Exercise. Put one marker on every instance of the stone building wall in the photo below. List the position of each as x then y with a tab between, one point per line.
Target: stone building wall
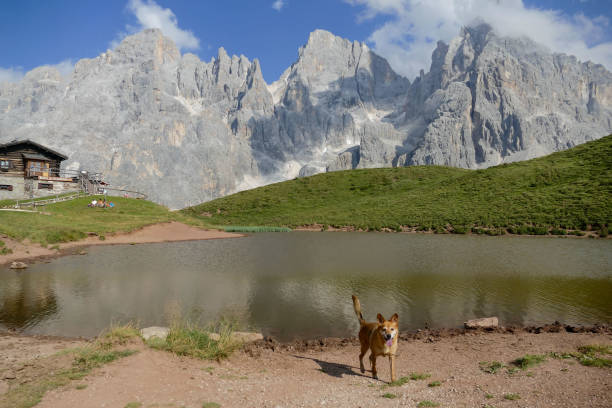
59	187
17	183
21	191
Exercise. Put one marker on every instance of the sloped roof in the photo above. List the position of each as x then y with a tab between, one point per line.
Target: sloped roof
29	142
35	157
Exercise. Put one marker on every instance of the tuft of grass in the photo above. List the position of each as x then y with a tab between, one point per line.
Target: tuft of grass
398	383
91	357
595	348
529	360
210	405
434	384
118	335
589	355
591	360
81	386
419	376
133	405
489	396
237	228
512	397
491	367
561	356
428	403
389	395
189	339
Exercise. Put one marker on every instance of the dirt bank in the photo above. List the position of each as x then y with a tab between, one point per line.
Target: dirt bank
164	232
325	373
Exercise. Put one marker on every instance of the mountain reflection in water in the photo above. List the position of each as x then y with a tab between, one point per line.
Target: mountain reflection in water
298	285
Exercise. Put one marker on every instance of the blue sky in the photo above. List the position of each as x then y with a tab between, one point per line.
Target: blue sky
36	32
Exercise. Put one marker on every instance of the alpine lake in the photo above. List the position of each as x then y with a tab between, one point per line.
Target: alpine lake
298	285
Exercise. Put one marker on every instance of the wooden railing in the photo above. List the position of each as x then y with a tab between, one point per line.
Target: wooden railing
56	199
89	184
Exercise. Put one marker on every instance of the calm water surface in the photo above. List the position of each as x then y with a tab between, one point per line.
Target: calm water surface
299	284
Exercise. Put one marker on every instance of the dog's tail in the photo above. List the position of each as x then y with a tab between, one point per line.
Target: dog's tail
357	307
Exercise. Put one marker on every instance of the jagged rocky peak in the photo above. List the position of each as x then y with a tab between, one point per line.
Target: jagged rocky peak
490	99
147	45
331	66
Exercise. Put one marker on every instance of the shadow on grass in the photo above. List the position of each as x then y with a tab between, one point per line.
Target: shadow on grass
335	369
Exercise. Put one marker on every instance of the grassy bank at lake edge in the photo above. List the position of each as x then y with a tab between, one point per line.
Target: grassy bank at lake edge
73	220
560	193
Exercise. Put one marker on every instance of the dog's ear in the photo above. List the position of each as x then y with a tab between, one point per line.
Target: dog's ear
380	318
394	318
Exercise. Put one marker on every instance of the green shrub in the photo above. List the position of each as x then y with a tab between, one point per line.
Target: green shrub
427	403
459	230
190	339
491	367
529	360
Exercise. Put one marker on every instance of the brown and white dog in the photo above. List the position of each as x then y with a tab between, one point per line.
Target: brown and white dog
380	337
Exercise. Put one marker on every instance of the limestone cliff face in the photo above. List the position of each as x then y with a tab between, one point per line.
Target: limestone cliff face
150	119
489	100
186	131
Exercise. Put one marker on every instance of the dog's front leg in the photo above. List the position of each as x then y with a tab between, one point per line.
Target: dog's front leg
373	361
364	349
392	364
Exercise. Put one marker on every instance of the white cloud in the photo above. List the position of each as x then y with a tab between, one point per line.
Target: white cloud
64	67
13	74
278	5
150	15
16	74
409	35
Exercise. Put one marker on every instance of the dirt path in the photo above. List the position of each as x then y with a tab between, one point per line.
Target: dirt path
329	376
164	232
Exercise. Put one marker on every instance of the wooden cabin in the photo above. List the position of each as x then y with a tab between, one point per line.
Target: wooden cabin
27	167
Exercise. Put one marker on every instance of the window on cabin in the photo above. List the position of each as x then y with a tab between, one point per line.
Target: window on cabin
6	187
5	165
47	186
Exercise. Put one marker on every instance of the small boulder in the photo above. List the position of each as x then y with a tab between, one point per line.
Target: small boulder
485	322
18	265
155	331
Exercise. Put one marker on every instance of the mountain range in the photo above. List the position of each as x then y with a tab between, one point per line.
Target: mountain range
185	131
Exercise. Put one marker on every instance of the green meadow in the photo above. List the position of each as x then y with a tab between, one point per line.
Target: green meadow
565	192
73	220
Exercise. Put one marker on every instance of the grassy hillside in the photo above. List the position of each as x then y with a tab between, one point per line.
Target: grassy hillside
565	190
73	220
